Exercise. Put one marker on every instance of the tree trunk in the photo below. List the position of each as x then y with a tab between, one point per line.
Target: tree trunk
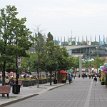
50	77
3	73
37	77
17	74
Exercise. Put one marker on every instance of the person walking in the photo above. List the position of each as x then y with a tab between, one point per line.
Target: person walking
69	78
95	79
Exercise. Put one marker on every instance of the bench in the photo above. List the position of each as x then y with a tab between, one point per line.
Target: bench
5	89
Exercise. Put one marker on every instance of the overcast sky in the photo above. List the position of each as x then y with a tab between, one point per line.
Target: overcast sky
80	18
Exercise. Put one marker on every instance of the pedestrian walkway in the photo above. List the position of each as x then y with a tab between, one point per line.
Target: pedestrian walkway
80	93
27	92
90	93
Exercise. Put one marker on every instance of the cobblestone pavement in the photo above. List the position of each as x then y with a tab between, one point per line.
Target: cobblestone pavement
80	93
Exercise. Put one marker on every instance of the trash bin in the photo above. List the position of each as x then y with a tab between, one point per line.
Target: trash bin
55	81
16	89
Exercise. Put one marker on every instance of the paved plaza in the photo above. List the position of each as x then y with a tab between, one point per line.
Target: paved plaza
80	93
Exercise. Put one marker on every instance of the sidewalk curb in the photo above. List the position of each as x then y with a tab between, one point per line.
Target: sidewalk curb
17	100
29	96
56	87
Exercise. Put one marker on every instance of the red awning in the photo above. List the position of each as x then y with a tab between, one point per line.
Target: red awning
62	72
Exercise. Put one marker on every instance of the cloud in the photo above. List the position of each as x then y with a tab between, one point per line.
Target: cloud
85	17
59	8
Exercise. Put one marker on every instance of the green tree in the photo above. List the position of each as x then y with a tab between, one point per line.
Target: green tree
38	45
74	62
50	59
98	62
50	37
28	63
62	58
14	38
56	58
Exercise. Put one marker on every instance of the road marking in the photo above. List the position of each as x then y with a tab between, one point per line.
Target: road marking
89	95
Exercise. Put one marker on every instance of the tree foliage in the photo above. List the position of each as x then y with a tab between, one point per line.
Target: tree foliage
14	37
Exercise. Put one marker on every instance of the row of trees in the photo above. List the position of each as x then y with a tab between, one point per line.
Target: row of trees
96	63
48	56
16	40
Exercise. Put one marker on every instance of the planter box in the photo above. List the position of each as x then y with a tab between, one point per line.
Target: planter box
42	81
27	83
63	81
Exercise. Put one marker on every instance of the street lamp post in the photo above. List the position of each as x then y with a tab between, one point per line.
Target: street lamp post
38	74
80	65
38	61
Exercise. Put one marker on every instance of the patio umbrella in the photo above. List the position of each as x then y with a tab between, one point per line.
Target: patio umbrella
62	72
104	69
105	65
